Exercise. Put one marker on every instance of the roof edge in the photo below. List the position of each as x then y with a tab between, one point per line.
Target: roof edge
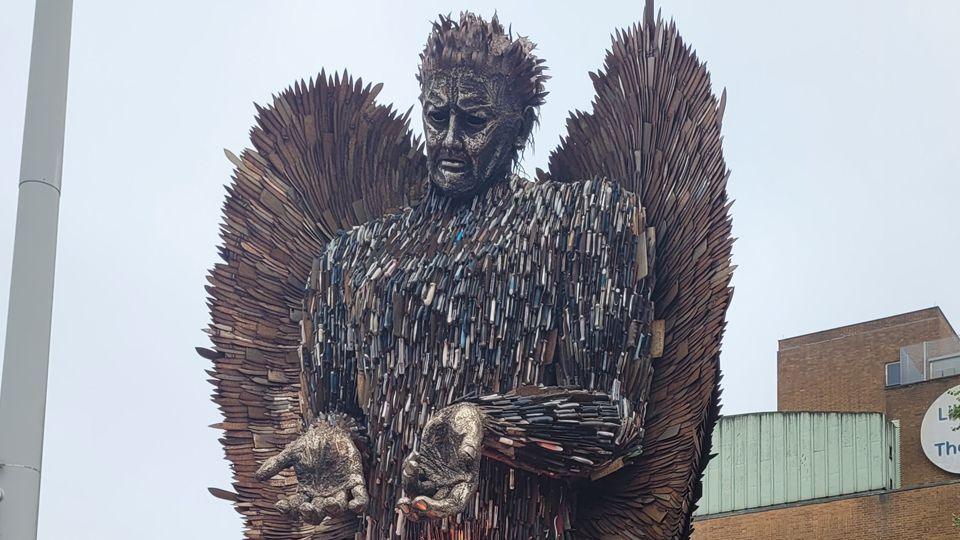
935	311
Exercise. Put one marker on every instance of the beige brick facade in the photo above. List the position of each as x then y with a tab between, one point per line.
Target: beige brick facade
843	369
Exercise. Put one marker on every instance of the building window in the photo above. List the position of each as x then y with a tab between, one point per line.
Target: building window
944	367
893	374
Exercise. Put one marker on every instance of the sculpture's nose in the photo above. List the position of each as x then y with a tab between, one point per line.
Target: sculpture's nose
453	138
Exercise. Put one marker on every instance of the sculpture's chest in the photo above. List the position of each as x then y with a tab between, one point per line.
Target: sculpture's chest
469	302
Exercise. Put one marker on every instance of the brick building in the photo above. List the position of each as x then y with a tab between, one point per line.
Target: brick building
875	482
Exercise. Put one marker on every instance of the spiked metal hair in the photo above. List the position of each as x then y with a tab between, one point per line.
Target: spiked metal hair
485	46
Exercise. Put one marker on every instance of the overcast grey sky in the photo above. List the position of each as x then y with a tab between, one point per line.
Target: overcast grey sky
841	131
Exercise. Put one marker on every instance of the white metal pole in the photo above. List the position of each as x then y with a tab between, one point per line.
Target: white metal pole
23	392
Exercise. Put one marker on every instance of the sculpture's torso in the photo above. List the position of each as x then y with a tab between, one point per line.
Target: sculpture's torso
412	311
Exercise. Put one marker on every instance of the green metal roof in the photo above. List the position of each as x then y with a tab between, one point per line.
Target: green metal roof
770	458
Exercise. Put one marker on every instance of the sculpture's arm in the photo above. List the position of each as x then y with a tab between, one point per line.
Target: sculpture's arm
550	431
592	423
560	432
326	457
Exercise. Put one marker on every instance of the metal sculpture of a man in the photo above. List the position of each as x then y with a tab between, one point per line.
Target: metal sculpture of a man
433	346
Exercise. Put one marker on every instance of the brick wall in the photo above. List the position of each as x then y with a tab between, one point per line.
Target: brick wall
908	404
920	512
842	369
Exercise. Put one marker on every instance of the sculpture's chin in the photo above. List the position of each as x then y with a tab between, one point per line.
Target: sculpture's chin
456	185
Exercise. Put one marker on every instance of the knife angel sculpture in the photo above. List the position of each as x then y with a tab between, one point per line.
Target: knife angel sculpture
412	341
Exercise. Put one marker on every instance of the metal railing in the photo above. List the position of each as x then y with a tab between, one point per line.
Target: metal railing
930	360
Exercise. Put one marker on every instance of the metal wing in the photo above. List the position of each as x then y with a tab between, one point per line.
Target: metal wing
655	128
326	157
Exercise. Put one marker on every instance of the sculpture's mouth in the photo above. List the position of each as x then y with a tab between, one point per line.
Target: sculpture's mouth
452	165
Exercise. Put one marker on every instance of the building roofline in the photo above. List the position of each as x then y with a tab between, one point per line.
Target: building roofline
950	326
936	309
824	500
759	413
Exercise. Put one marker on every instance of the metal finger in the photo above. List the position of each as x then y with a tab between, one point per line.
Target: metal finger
290	504
333	505
309	513
359	498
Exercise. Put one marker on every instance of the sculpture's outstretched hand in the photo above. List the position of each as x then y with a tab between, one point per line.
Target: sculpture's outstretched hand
329	472
439	480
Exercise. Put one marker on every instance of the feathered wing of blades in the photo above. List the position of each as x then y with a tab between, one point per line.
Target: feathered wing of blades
326	157
655	127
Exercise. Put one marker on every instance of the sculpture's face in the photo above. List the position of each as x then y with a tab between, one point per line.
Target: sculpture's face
473	127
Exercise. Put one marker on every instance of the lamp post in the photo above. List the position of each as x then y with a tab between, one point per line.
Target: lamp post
23	391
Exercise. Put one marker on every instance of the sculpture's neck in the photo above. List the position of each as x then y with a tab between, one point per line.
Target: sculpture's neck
437	205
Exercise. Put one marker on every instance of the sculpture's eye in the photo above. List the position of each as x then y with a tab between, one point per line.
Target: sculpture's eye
439	117
476	121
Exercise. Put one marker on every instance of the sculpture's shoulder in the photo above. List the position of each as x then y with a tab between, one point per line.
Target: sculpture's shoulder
366	236
597	193
594	205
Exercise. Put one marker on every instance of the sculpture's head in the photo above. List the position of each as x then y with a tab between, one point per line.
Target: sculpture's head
480	89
